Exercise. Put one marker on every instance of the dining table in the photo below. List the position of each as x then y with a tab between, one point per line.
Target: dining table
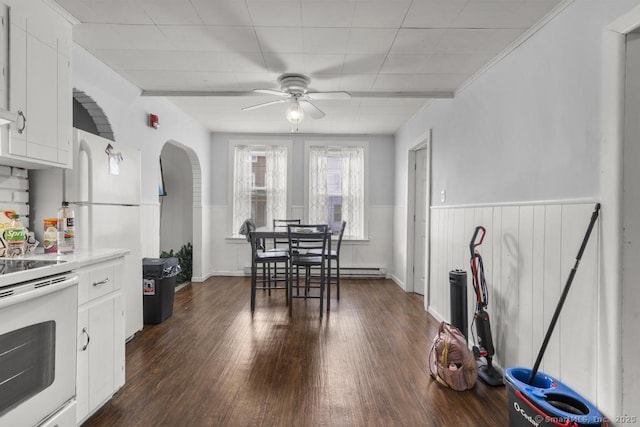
265	238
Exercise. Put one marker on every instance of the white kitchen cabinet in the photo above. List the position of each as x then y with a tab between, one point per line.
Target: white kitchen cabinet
100	339
40	91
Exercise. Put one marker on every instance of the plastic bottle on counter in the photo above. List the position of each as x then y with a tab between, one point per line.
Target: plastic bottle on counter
15	236
66	228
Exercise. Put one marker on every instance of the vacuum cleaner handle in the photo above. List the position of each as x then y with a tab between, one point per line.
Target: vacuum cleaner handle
473	244
565	291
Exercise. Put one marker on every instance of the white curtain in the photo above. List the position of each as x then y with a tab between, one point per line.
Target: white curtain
276	183
318	185
353	191
242	184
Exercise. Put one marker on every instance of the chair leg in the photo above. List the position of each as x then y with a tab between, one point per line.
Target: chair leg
338	279
322	280
253	286
329	284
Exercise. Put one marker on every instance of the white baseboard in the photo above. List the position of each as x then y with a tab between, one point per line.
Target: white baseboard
398	282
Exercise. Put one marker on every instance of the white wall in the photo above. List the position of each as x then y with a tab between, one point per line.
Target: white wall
232	256
631	226
528	130
176	208
128	113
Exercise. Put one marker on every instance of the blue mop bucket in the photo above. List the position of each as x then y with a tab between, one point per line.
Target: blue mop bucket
546	402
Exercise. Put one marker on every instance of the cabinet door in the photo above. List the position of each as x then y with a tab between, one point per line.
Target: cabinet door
118	338
18	83
101	352
42	100
65	107
82	374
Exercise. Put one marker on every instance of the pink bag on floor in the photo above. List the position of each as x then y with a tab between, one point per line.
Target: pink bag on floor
451	362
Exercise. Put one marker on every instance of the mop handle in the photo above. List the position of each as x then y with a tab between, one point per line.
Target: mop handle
556	314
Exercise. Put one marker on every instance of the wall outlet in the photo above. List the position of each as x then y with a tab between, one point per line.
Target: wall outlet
443	196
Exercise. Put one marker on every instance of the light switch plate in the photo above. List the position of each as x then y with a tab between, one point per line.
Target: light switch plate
443	196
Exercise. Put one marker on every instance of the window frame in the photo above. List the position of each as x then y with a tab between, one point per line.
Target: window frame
258	144
337	144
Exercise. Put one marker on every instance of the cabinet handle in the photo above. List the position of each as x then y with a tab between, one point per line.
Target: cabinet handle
84	331
102	282
24	122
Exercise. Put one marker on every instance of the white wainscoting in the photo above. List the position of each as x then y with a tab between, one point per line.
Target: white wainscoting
528	253
232	256
150	229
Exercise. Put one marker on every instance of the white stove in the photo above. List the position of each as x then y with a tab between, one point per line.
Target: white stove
38	317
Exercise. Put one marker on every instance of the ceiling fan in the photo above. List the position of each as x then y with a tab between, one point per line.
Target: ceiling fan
294	90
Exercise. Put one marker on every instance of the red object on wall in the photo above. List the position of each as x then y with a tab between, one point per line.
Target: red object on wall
154	122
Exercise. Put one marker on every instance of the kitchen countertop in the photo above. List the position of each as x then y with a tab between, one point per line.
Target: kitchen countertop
63	263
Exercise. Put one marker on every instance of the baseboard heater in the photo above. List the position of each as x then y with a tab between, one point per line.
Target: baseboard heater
348	272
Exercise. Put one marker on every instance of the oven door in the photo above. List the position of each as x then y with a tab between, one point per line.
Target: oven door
37	348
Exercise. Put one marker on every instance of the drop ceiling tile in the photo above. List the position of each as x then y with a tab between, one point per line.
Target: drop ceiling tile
477	40
433	13
380	14
223	12
111	12
214	39
416	41
251	81
363	64
392	82
283	13
531	12
171	12
370	40
357	82
117	36
323	63
280	39
454	63
181	80
487	14
324	82
159	60
285	63
404	64
325	40
437	82
327	13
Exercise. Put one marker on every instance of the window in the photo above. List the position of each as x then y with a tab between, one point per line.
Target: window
259	184
336	187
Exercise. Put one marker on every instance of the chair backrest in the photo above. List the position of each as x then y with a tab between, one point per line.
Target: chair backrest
305	237
344	225
281	225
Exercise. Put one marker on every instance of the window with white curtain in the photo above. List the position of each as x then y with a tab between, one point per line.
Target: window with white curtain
260	184
336	190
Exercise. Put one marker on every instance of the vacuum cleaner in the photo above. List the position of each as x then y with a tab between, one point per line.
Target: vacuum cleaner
483	349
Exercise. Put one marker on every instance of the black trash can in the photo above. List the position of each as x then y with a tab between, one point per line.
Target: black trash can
158	288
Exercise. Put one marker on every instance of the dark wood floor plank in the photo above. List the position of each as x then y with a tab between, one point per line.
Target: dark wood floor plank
213	363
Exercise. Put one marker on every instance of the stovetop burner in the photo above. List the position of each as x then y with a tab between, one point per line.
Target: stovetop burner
9	265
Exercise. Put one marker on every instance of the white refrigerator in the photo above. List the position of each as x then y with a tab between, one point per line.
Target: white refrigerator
103	188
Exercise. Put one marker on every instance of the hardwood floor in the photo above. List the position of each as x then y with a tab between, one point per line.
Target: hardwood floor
214	364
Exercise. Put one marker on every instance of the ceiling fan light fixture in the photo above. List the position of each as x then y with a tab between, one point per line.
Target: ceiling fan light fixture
295	114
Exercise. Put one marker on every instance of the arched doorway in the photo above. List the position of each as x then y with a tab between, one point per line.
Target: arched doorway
180	207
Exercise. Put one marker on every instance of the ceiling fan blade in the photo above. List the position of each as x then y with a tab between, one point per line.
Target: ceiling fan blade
328	95
310	109
271	92
264	104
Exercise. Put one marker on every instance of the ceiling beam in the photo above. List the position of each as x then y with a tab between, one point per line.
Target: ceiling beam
380	94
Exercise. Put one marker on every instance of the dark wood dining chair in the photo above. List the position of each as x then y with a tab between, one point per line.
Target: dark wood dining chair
261	257
304	238
279	243
334	255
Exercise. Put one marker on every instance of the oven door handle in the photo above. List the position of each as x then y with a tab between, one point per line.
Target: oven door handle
29	291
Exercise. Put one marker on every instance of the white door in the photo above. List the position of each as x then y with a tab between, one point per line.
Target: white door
420	221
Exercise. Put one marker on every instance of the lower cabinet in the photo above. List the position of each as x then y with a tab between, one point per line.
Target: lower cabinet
100	339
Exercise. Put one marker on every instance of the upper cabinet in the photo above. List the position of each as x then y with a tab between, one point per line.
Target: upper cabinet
39	86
